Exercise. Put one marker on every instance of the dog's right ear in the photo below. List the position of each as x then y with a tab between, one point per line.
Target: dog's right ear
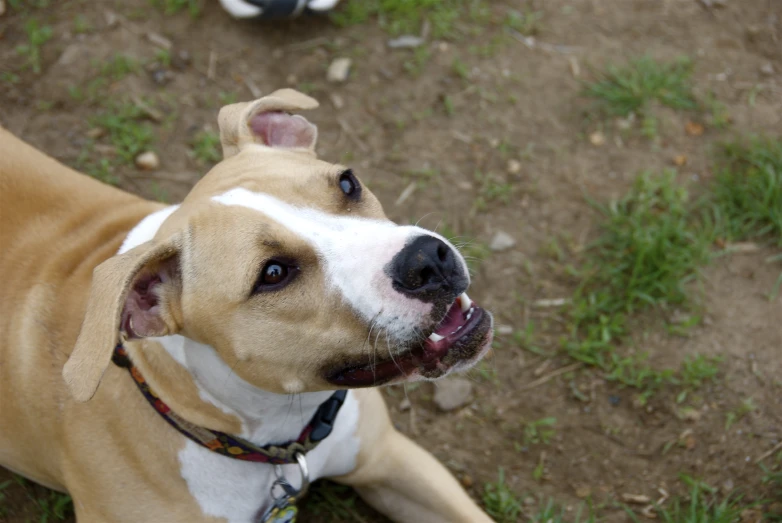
268	121
133	295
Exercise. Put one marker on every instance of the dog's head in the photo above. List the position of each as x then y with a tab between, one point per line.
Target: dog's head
289	268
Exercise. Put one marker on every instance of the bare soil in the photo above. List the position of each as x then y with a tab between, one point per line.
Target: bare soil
516	103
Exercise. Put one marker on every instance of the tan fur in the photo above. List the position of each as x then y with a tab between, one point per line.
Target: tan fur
59	233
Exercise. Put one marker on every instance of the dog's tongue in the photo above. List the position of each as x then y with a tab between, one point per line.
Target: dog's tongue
442	338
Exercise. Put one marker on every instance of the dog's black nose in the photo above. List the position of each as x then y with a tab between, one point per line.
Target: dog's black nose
427	269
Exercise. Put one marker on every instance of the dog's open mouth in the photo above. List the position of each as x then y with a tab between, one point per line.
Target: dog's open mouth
462	336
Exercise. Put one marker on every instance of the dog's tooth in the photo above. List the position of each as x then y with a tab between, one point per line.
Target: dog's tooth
436	337
465	302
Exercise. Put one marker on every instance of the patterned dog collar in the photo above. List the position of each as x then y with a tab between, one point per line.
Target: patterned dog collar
314	432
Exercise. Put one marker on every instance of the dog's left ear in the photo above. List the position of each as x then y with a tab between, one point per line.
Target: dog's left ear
269	121
133	295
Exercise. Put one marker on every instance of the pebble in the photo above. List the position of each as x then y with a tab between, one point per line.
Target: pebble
767	69
161	76
597	139
337	100
452	393
339	70
504	330
502	241
614	400
404	405
406	41
147	161
514	166
2	7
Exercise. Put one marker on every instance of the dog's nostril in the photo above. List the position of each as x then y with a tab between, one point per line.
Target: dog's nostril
427	275
442	252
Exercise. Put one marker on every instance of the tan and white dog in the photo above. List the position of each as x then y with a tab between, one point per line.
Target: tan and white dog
277	281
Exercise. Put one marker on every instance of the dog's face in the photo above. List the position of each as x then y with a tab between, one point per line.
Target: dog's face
289	268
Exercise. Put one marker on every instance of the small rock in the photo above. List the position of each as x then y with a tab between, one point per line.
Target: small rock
111	19
337	100
2	7
404	405
147	161
638	499
504	330
292	79
679	160
597	139
514	166
728	485
688	414
452	393
767	69
161	76
465	186
502	241
339	70
614	400
406	41
442	47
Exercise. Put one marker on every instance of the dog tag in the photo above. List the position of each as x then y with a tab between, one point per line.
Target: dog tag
283	510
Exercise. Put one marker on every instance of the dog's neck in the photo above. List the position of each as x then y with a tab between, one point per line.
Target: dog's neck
266	417
263	417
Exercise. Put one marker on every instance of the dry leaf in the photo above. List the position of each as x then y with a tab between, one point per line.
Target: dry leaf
679	160
693	128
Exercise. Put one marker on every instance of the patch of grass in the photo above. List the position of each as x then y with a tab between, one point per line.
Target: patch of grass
127	131
418	60
649	248
500	502
81	24
701	506
172	7
552	513
539	431
9	77
526	23
631	88
3	486
37	36
54	507
333	501
407	16
745	407
118	67
460	69
206	147
747	201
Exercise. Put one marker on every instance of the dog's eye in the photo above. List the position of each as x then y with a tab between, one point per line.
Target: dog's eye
274	275
349	185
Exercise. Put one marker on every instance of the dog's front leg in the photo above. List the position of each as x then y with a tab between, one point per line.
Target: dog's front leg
401	479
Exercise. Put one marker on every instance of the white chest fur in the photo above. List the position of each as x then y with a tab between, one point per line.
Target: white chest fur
236	490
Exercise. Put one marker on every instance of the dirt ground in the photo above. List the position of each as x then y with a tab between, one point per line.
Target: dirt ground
434	119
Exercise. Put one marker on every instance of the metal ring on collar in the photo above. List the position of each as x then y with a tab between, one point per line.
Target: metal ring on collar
303	470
